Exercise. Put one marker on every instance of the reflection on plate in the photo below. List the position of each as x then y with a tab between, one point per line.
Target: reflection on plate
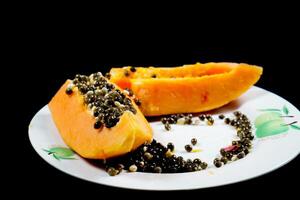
276	124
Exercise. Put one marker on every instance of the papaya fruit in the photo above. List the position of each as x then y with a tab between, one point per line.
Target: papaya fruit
186	89
74	107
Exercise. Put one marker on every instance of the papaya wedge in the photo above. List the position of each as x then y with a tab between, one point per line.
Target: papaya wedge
186	89
77	125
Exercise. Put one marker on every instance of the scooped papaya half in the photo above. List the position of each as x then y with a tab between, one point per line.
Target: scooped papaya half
97	119
186	89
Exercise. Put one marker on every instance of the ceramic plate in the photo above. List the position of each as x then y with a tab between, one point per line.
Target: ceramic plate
276	124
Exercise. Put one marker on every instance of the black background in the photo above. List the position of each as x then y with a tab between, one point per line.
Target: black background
46	57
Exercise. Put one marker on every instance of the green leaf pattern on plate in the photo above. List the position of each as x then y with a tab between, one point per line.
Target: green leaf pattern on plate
271	122
273	127
295	127
61	153
285	110
270	109
266	117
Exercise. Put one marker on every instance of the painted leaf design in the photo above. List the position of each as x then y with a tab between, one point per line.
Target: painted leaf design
285	110
67	158
62	151
55	156
270	110
46	150
266	117
295	127
270	128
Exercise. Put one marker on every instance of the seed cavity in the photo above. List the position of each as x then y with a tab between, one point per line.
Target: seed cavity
106	103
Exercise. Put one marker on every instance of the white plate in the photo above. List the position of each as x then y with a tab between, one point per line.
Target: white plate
268	153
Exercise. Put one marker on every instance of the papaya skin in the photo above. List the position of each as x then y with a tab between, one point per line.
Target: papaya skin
75	124
187	89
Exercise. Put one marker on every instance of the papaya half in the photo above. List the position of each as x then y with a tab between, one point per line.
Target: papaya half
186	89
96	119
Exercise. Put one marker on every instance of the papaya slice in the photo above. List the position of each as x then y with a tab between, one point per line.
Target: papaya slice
91	137
186	89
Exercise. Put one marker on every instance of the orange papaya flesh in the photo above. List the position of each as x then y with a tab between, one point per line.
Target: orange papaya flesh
75	121
186	89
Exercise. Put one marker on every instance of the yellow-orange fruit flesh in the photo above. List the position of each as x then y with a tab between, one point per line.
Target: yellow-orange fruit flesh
75	123
187	89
